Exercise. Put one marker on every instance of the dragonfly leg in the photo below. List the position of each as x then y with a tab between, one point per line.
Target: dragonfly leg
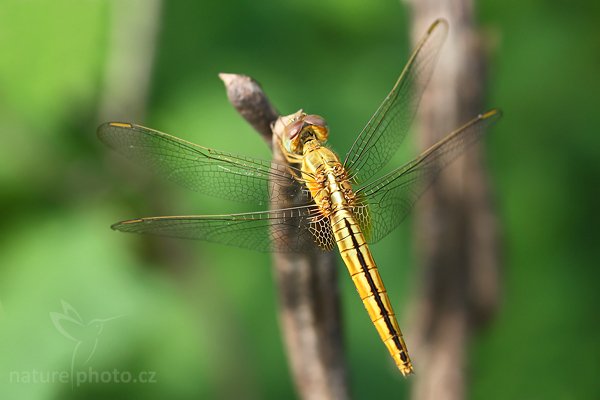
291	158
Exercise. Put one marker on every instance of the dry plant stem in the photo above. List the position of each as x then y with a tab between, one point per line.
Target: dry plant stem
248	98
457	229
134	26
130	59
309	306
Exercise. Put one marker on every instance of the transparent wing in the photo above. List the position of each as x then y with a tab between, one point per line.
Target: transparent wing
387	128
286	230
202	169
386	202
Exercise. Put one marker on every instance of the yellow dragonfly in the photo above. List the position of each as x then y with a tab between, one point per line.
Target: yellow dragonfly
344	206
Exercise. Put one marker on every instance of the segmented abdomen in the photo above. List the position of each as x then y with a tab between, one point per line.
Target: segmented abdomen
364	273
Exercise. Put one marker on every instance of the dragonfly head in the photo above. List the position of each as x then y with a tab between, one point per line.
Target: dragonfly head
298	128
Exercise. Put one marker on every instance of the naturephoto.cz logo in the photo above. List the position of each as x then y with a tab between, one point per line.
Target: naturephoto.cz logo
86	336
80	377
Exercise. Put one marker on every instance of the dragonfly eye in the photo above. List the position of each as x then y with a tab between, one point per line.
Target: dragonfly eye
314	119
293	129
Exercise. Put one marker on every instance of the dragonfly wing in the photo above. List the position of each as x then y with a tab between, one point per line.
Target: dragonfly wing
284	230
387	128
202	169
386	202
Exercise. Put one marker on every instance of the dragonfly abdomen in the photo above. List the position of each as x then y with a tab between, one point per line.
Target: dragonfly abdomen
366	278
332	192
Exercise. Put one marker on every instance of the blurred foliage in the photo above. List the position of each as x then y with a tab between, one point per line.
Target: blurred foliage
202	316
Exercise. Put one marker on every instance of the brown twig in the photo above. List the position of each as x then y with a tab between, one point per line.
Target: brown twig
248	98
130	60
457	229
309	307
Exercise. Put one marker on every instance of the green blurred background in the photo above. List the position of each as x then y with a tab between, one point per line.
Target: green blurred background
202	317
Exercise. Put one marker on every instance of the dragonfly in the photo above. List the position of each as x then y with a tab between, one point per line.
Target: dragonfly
337	204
